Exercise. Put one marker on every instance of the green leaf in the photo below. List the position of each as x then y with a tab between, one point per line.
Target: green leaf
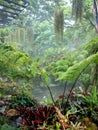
74	71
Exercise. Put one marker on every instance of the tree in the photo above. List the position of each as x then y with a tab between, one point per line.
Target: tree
80	6
59	24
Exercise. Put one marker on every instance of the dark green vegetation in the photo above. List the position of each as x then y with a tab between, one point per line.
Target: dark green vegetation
48	44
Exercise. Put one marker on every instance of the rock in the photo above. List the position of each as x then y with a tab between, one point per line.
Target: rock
18	121
2	109
12	113
2	103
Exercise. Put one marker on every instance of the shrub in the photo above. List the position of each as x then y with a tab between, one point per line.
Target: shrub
22	100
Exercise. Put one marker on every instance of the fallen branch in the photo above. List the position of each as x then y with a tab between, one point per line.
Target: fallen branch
62	119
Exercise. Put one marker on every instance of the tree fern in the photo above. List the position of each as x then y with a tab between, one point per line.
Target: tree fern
73	72
92	46
34	68
13	63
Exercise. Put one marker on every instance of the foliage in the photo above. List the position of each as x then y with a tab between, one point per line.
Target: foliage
8	88
62	63
47	101
78	65
85	79
7	127
88	124
34	67
13	63
75	126
3	33
86	104
57	61
92	46
45	76
73	72
40	20
92	99
54	54
77	8
6	124
23	100
3	120
83	9
44	38
32	119
46	79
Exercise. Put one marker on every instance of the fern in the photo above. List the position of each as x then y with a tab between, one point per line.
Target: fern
92	46
45	76
73	72
13	63
34	68
7	127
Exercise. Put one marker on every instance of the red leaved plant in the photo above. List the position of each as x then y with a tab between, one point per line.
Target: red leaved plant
34	117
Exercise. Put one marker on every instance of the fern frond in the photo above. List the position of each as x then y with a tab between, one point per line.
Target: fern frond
92	46
73	72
